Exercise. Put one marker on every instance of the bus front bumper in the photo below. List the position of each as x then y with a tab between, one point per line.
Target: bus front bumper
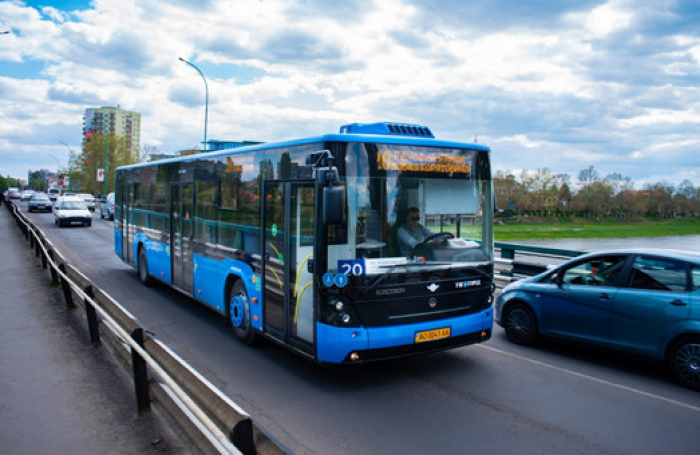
361	344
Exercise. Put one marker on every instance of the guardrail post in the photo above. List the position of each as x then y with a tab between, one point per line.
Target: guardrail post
66	288
507	253
39	251
242	437
143	399
54	275
93	322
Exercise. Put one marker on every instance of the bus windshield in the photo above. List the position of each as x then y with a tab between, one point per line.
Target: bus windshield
405	218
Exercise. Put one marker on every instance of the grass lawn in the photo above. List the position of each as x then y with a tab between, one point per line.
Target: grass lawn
562	228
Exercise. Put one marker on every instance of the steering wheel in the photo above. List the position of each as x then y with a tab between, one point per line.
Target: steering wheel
592	281
435	238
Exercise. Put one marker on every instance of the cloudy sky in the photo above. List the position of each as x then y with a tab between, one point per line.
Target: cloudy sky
545	83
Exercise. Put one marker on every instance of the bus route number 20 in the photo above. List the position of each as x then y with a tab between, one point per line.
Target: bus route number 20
352	267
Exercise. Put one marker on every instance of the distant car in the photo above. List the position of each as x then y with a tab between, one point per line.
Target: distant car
27	194
89	200
107	207
70	210
14	193
53	193
642	301
40	202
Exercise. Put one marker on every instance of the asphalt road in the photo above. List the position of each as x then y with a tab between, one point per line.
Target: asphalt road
492	398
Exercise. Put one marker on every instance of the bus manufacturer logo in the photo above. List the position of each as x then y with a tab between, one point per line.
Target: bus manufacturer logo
393	291
467	284
433	287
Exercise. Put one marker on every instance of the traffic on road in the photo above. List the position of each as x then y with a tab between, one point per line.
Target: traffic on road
557	396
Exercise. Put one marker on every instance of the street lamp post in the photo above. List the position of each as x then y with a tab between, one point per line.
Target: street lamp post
58	169
106	164
70	166
206	102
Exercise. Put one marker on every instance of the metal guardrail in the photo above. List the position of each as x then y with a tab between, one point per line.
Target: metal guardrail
534	260
213	422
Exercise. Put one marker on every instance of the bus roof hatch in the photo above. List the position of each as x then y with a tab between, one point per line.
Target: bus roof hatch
387	129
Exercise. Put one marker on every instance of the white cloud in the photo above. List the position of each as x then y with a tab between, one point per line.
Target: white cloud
562	86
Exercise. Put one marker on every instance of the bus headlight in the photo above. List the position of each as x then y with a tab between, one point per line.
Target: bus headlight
339	313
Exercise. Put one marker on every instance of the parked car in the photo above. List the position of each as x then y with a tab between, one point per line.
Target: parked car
107	207
69	210
642	301
54	193
39	201
89	200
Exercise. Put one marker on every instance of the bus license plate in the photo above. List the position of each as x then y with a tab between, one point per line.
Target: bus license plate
432	335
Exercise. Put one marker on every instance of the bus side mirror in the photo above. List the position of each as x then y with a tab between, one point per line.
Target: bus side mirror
333	205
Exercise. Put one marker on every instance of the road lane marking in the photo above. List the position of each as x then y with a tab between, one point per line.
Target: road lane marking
594	379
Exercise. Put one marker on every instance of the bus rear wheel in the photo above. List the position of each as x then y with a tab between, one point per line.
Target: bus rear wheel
239	313
143	268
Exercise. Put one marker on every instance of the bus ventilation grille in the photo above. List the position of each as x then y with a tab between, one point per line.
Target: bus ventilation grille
387	129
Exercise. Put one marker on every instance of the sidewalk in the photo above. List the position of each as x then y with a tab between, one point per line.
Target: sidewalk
58	394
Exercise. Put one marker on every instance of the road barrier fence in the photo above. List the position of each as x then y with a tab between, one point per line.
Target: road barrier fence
212	421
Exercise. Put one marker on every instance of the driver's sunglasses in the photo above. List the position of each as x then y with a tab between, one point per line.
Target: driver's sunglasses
415	218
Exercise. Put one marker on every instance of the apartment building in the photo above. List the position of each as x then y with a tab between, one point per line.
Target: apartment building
113	120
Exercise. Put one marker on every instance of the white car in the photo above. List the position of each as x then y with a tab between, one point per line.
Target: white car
53	193
69	210
89	200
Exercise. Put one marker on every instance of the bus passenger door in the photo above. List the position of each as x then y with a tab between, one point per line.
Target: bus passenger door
288	240
126	222
181	213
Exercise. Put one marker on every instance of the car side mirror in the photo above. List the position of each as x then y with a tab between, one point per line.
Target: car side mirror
558	279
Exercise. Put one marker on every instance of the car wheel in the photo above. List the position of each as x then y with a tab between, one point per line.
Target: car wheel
520	324
143	268
238	312
684	361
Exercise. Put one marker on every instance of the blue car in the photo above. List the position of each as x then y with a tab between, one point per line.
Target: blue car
645	302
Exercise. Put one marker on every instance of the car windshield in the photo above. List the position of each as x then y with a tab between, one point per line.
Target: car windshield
40	197
72	205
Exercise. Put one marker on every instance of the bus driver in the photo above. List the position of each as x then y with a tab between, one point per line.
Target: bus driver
412	233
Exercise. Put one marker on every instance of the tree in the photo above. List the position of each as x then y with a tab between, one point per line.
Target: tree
507	189
96	150
659	199
595	198
588	175
36	181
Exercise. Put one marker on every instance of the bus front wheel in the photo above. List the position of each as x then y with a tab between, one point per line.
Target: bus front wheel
239	313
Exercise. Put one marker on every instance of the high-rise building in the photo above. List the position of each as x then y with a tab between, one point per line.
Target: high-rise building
113	120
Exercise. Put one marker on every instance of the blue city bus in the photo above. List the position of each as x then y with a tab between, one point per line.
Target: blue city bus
298	241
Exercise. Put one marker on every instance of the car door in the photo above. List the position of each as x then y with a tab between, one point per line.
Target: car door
578	304
655	299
